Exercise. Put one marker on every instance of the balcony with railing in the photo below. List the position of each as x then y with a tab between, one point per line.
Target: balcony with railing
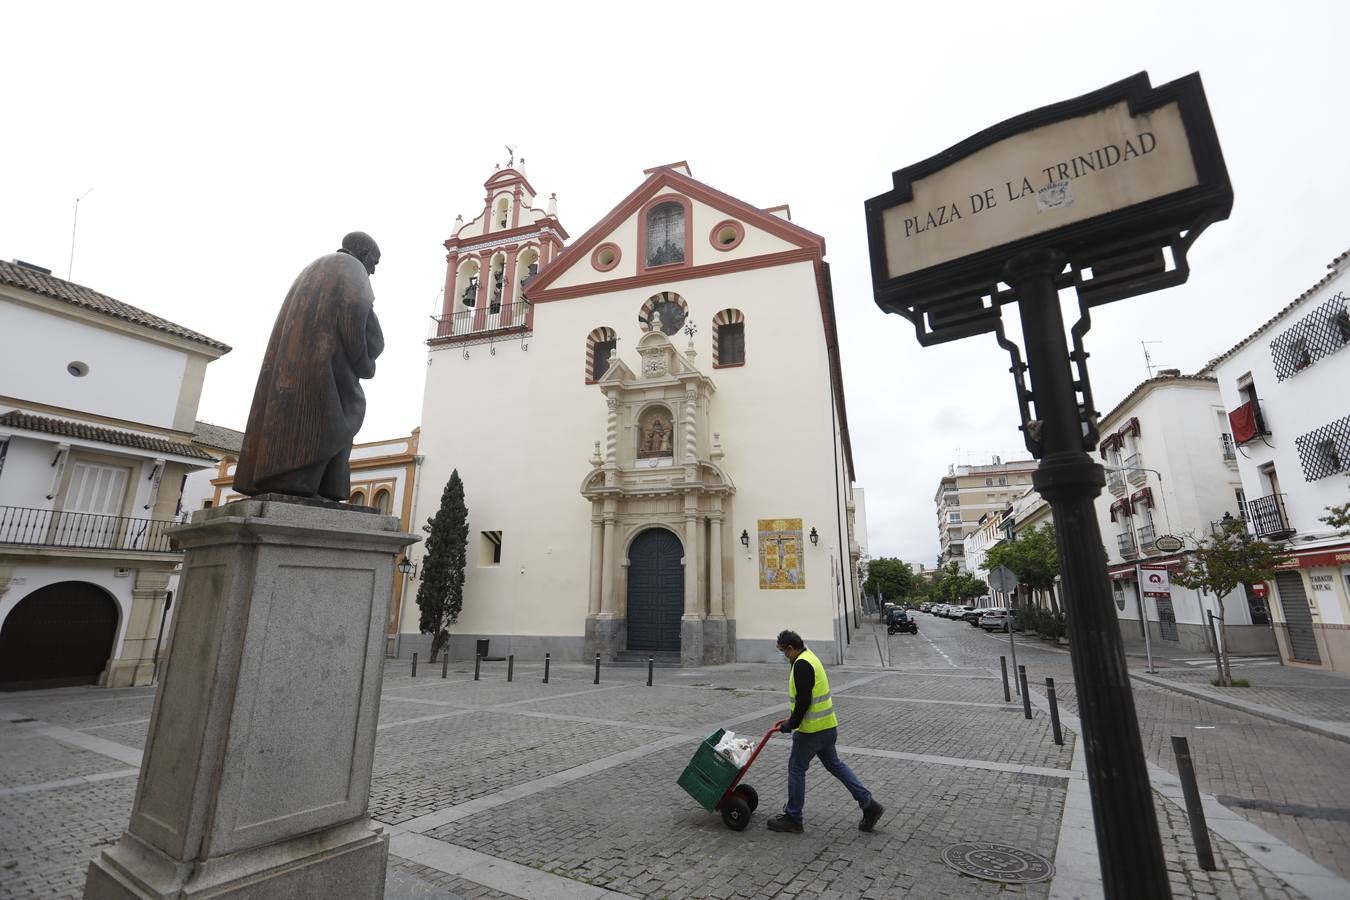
1146	537
472	326
1134	468
1128	548
83	531
1268	519
1115	482
1229	447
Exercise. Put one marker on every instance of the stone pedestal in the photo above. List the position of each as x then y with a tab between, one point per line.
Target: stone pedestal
691	641
256	775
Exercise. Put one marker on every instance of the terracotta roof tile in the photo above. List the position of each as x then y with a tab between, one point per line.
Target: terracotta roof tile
219	437
67	428
86	298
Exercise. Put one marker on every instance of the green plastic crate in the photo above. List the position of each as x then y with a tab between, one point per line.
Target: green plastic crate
709	773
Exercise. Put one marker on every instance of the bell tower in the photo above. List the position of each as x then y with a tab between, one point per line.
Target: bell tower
492	258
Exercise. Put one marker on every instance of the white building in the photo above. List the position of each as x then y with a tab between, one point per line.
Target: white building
1172	470
1285	390
97	408
987	534
688	494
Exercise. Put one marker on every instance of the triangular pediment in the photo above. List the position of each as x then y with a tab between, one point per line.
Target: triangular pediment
721	234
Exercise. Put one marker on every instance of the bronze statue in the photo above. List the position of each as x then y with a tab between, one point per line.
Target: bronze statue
308	405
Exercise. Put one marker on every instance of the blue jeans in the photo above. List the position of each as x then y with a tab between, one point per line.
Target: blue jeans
821	744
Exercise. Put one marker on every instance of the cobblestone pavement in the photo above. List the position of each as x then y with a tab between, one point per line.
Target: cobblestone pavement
570	787
1291	783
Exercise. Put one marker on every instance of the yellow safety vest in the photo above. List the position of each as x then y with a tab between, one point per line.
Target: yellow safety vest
820	714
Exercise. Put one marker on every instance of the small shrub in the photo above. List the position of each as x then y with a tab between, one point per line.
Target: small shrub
1237	682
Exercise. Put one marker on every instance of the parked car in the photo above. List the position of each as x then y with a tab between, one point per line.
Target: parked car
957	612
925	607
973	616
940	609
999	620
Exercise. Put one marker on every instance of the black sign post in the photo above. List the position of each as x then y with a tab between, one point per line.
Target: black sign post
1103	194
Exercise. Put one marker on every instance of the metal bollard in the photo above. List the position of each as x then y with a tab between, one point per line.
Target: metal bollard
1003	664
510	667
477	664
1026	698
445	664
651	661
1054	711
597	668
545	668
414	672
1194	811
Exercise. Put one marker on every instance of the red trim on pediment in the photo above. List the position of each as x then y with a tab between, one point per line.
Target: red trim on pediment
664	180
667	275
467	245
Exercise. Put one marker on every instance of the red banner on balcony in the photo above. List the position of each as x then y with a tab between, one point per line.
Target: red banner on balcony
1243	422
1144	496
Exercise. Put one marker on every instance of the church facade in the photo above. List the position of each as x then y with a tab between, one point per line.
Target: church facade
650	426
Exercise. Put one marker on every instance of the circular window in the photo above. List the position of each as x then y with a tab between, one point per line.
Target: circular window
605	257
77	368
727	235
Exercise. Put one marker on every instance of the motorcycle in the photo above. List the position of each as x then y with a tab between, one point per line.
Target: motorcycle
897	621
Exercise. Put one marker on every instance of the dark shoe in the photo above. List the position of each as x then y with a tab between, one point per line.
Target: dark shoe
785	823
870	816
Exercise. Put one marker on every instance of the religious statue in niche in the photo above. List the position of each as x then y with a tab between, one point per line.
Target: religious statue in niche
654	435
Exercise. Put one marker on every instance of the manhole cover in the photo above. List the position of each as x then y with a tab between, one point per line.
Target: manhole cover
998	862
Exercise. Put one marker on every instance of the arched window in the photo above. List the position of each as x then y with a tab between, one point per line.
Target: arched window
671	308
383	501
599	344
527	266
728	340
503	212
665	229
358	498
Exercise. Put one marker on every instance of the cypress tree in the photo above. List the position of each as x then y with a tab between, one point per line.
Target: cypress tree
440	596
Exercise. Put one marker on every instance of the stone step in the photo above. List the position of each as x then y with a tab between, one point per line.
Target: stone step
662	659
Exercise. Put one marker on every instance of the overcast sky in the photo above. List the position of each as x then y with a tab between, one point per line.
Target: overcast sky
227	145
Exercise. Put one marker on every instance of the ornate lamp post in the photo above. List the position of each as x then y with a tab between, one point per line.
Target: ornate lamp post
1135	175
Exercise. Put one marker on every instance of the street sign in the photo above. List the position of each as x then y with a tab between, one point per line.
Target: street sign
1168	543
1002	578
1108	178
1157	581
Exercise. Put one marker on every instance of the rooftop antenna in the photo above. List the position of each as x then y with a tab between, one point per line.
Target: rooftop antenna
1148	358
70	267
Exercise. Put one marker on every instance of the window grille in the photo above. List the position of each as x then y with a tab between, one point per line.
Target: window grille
1320	333
1326	450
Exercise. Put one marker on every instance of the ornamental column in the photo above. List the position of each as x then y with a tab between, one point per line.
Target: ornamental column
715	606
597	562
691	568
609	564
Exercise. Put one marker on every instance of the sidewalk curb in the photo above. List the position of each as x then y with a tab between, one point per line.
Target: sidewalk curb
1333	730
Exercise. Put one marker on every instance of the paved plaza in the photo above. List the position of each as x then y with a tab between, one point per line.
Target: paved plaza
567	789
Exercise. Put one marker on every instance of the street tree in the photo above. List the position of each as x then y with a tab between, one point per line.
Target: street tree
954	586
1221	563
440	596
890	577
1033	557
1338	517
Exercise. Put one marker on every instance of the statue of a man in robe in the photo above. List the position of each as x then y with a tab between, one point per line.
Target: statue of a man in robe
308	405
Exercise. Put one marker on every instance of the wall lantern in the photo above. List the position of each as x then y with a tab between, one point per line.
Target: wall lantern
406	567
815	538
745	538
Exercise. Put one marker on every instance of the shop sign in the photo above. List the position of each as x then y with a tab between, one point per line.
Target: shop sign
1157	582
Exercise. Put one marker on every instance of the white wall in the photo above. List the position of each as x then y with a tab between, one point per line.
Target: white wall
27	476
129	378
